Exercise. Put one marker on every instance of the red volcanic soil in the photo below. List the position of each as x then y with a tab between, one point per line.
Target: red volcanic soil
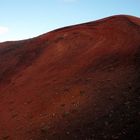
76	83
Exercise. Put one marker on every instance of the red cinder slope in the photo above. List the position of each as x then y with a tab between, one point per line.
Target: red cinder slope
76	83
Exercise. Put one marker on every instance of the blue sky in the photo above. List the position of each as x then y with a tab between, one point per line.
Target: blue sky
22	19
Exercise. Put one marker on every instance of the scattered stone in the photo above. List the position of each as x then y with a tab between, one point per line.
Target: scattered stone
115	137
111	97
127	103
65	114
67	132
53	114
40	115
75	104
44	129
105	137
106	123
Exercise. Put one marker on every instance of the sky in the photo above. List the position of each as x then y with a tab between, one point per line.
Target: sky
23	19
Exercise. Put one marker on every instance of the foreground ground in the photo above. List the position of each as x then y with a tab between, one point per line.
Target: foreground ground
77	83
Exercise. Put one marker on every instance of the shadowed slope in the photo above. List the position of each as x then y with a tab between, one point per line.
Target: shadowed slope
75	83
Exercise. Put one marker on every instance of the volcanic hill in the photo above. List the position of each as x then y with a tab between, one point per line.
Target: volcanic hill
80	82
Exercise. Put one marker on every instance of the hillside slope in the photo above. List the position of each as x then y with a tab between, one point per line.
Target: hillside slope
76	83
